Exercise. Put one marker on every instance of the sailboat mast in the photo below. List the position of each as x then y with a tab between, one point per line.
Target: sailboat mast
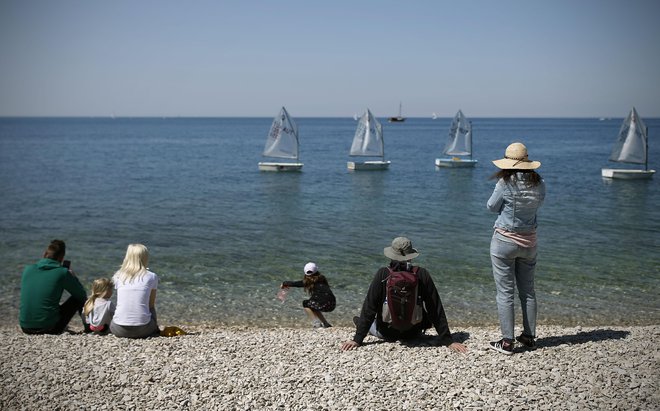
471	137
382	140
646	157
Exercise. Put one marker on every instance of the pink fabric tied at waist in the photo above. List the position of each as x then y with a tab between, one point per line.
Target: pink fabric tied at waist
526	240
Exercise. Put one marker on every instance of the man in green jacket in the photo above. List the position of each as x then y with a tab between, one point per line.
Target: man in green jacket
42	286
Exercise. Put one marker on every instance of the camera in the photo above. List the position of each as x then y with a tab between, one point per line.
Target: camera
67	264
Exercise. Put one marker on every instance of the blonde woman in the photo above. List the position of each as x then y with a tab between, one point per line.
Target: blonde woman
135	315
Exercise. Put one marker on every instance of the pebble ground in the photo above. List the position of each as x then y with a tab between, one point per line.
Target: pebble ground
588	368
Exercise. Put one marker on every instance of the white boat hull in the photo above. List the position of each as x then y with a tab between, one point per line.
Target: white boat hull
368	165
280	166
627	173
455	162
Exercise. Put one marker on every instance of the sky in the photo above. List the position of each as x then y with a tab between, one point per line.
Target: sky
559	58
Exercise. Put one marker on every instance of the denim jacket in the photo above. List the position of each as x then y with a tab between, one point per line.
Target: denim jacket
516	203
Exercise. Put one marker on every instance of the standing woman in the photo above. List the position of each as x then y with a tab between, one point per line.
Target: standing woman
518	194
135	315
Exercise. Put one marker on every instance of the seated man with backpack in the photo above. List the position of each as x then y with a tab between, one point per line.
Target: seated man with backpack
402	302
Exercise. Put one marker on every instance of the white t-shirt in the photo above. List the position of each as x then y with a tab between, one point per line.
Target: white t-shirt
133	299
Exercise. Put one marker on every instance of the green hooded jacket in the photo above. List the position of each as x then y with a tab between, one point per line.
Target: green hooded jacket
42	286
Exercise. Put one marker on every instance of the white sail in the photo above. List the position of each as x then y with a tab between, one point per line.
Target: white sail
282	141
368	139
459	142
631	146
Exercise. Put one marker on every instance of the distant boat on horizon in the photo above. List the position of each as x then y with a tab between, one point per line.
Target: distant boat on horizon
397	119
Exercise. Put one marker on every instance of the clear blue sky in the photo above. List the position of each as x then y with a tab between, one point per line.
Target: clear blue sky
577	58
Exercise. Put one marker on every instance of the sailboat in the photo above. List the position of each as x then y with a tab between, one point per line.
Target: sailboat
368	142
458	144
399	118
282	142
632	146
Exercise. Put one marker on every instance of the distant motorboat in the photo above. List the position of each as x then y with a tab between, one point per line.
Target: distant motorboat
631	146
459	144
368	142
282	142
397	119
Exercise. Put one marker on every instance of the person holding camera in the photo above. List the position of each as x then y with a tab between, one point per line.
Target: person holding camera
42	286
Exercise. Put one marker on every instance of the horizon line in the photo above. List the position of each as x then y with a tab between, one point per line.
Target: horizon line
604	118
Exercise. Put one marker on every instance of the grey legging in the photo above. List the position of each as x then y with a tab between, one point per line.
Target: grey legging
149	329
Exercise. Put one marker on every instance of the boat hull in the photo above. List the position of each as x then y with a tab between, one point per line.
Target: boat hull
280	166
455	162
396	119
368	165
627	174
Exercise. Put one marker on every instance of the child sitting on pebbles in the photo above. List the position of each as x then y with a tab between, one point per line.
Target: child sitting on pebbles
99	309
321	297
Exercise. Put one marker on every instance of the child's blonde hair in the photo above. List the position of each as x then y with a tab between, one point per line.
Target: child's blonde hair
100	287
134	265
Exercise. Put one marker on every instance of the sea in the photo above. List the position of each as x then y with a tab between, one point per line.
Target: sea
223	235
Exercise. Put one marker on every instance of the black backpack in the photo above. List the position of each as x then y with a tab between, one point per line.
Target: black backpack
403	307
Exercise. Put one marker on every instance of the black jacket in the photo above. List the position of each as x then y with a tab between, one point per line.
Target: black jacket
434	313
321	292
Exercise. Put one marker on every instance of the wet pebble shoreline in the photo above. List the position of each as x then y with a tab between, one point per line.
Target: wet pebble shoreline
240	368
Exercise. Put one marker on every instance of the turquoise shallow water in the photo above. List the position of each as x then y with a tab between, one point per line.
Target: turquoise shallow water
224	235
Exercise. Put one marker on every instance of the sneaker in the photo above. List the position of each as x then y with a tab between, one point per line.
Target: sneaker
317	324
327	325
504	346
527	341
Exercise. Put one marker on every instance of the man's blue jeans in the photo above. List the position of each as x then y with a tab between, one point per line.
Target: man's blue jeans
514	266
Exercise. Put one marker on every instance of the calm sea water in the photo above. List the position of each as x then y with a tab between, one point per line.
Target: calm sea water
223	235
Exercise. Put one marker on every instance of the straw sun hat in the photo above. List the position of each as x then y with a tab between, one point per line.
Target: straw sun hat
515	158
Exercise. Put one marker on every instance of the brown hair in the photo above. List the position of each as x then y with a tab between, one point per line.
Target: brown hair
311	280
531	176
56	250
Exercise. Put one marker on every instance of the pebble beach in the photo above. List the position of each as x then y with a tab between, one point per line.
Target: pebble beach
244	368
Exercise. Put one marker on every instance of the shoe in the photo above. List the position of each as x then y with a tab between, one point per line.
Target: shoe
527	341
327	325
317	324
504	346
356	320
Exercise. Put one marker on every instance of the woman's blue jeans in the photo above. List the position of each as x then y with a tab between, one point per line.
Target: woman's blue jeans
514	266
